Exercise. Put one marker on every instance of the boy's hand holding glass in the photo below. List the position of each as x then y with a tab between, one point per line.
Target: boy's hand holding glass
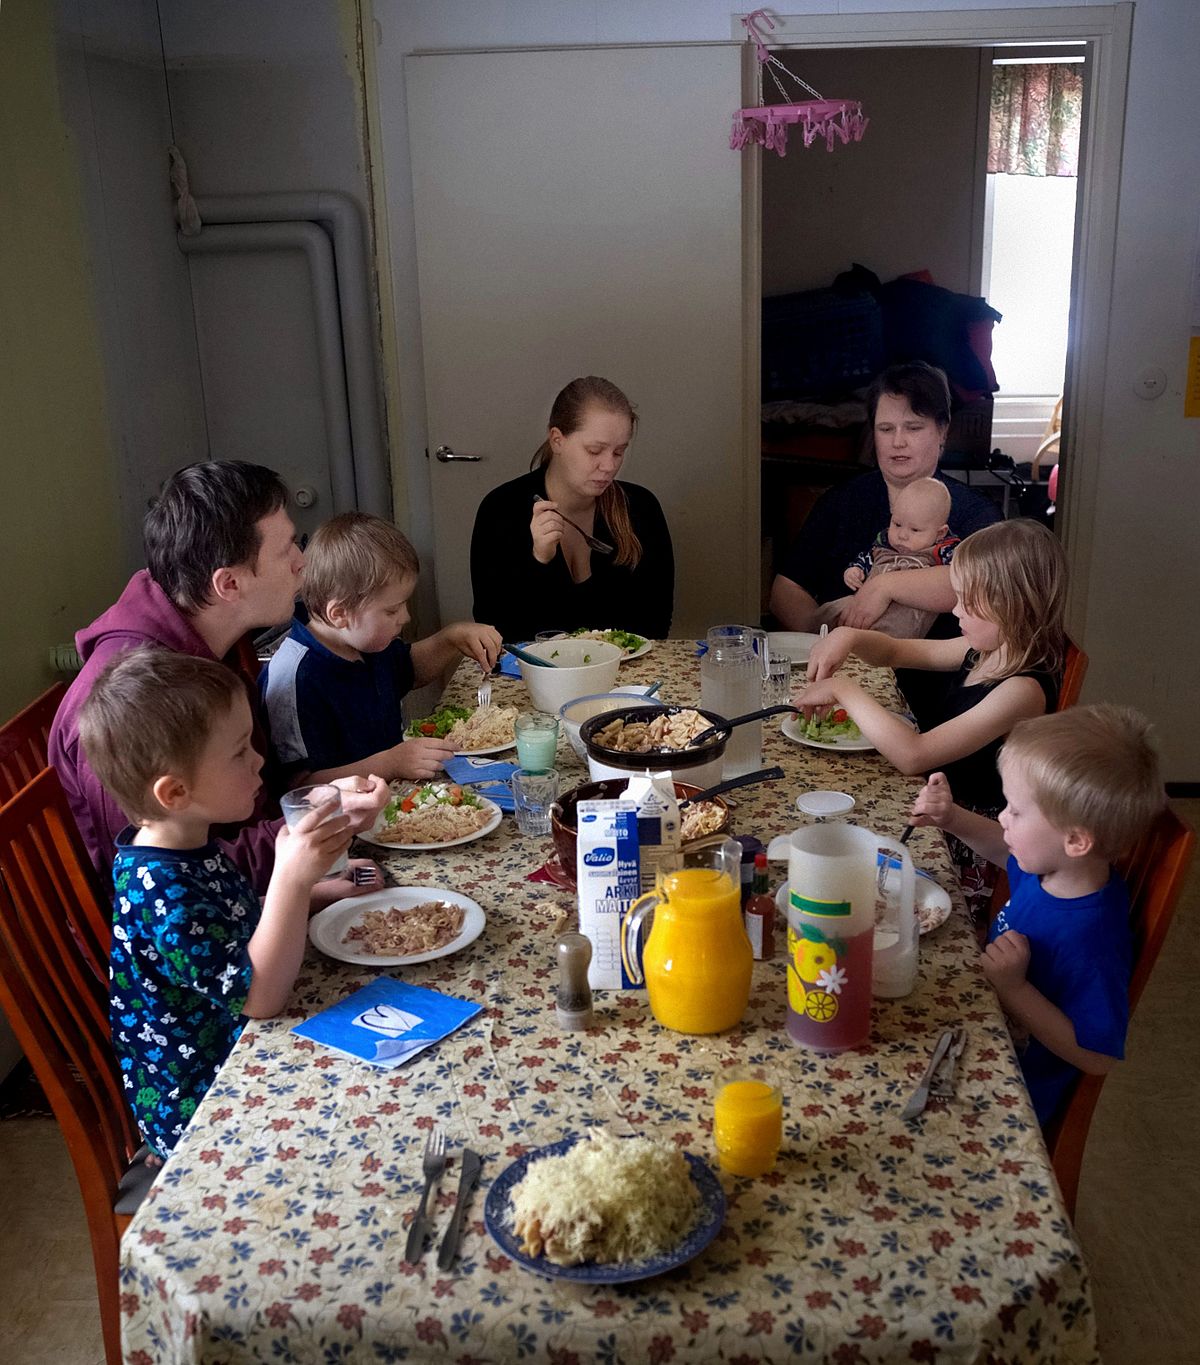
315	845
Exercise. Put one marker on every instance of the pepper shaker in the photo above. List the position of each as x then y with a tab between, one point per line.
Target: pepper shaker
573	1001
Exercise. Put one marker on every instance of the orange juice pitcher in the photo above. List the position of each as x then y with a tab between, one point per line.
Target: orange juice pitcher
697	959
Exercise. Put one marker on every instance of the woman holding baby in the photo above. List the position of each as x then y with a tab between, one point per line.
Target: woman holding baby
908	409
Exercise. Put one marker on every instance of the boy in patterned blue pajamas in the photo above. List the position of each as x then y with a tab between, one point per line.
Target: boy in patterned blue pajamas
194	955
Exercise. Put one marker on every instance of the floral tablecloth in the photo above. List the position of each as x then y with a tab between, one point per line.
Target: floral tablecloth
277	1229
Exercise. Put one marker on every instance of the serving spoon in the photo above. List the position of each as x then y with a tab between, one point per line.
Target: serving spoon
746	780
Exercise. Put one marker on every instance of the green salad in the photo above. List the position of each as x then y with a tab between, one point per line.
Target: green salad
830	728
439	725
624	639
431	794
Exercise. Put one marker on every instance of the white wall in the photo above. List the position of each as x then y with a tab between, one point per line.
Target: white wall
1141	625
898	201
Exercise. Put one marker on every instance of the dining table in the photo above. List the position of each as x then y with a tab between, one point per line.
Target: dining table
277	1229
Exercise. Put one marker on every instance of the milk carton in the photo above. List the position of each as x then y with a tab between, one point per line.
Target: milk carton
607	872
659	839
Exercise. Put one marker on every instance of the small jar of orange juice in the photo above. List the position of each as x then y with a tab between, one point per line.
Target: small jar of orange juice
747	1120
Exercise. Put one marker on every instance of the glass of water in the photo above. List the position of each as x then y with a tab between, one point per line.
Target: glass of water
295	805
777	685
533	795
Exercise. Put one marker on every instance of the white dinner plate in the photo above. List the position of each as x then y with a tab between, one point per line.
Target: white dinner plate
644	648
796	644
933	902
370	836
791	728
329	927
483	753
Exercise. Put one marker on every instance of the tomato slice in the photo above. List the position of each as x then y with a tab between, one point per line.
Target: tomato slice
840	717
429	728
408	804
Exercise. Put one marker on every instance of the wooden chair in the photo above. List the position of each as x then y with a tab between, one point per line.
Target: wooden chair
57	1004
49	874
23	742
1074	671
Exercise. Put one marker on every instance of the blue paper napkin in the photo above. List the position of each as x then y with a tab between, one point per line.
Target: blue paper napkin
464	769
507	667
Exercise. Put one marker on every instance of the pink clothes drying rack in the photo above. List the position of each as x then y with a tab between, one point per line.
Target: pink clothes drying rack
767	124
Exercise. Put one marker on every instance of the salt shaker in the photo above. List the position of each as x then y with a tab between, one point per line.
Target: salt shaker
573	1001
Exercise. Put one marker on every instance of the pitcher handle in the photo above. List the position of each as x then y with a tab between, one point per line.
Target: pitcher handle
908	882
631	934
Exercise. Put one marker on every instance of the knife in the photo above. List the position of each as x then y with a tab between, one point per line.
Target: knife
472	1164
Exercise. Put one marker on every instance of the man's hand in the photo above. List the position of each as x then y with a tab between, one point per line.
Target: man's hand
934	802
422	759
1005	961
362	799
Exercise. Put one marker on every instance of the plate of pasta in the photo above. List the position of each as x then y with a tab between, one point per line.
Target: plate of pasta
398	926
484	730
600	1176
435	815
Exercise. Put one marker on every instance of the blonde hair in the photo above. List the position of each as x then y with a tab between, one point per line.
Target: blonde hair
567	414
1014	574
351	559
1091	768
149	714
930	491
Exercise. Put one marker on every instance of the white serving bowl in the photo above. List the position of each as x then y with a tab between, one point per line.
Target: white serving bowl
574	713
552	688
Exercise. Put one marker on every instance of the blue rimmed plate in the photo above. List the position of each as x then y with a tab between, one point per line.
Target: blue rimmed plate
497	1216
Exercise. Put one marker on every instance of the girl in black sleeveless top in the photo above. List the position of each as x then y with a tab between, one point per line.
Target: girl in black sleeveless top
1010	585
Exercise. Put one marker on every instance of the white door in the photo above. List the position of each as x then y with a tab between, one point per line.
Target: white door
580	212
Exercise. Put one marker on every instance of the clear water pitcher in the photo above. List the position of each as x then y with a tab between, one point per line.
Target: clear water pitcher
732	670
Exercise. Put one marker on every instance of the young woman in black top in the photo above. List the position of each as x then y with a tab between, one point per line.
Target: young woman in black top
531	570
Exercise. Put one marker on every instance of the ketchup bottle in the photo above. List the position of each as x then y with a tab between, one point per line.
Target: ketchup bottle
759	913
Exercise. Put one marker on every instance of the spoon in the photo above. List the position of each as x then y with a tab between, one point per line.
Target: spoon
762	775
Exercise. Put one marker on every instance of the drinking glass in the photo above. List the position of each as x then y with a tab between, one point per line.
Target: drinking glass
537	740
747	1119
295	805
533	795
777	686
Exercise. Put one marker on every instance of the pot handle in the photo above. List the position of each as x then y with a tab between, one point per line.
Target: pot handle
631	935
760	714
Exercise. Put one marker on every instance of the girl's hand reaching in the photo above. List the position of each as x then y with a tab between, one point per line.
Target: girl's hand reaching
934	803
829	653
818	697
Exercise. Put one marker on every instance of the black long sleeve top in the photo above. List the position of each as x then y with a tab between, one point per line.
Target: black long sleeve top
520	596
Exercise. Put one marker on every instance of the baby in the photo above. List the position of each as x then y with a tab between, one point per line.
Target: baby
917	537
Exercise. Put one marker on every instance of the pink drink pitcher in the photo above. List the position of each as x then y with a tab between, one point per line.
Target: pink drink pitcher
832	883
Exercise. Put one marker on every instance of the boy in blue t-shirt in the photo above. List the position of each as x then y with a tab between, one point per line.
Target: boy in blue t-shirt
1081	787
193	954
334	688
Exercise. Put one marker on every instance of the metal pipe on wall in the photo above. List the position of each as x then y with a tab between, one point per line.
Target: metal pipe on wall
307	237
341	218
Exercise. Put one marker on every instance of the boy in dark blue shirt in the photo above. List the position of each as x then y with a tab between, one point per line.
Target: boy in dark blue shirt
335	687
1081	787
193	953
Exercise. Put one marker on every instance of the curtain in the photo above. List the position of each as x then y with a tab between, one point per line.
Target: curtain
1034	127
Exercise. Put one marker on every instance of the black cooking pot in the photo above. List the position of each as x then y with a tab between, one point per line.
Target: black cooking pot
709	744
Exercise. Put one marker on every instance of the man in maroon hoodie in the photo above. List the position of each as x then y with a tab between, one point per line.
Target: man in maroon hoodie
222	562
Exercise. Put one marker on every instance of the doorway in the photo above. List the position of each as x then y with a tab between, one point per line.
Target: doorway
1102	33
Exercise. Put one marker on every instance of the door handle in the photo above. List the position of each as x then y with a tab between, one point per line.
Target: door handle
446	455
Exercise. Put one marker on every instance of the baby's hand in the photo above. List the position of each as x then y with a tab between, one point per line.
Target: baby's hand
934	802
1005	961
479	642
854	578
423	758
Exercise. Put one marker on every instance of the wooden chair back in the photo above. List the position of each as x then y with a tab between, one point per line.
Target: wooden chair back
1154	871
49	874
1074	671
57	1004
24	741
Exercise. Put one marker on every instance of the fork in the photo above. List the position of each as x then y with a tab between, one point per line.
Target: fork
433	1163
483	696
885	865
600	546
